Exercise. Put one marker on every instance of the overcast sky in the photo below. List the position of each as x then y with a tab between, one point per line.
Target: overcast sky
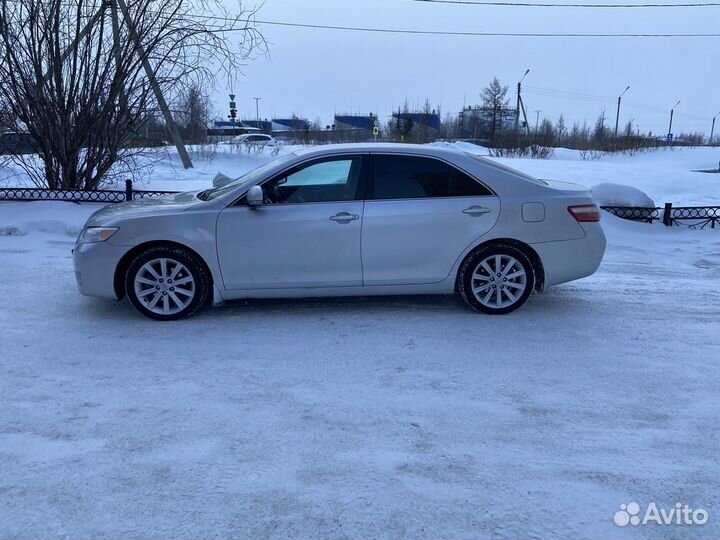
315	73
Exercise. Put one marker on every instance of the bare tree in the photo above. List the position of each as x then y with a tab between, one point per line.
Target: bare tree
494	99
560	129
194	114
79	84
600	131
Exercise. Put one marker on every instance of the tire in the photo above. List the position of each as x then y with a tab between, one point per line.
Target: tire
167	283
478	274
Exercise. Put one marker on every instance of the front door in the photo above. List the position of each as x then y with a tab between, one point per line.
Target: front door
307	234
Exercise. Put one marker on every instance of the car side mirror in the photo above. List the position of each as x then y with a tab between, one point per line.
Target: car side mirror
254	196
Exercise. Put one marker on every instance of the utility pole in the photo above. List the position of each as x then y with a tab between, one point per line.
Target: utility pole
172	126
712	130
519	101
672	112
537	119
617	116
525	117
257	111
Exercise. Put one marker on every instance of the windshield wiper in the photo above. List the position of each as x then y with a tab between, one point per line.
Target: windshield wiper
203	195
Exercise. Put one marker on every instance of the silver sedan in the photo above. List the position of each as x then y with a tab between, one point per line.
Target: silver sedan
346	220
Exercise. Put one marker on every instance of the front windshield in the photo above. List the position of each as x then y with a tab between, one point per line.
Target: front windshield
245	180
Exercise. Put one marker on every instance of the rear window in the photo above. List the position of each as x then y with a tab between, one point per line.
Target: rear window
491	163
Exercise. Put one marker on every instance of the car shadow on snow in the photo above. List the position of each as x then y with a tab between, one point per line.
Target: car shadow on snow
563	301
557	300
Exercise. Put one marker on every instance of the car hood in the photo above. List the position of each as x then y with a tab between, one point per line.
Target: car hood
169	204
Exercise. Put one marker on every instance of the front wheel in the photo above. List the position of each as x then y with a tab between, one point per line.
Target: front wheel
167	283
496	279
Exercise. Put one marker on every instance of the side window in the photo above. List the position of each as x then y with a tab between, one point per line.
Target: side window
409	177
328	180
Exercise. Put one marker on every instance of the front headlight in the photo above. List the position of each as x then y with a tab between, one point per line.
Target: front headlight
96	234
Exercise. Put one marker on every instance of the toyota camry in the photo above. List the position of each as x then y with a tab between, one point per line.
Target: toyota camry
346	220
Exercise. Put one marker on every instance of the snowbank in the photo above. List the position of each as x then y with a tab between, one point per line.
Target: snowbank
609	194
48	217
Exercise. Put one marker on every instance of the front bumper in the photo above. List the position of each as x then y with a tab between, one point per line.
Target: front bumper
95	265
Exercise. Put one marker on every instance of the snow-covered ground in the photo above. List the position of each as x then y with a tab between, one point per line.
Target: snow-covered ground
387	418
666	175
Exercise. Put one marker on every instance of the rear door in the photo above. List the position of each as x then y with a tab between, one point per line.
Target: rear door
420	214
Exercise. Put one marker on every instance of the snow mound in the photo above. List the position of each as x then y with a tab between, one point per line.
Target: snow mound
44	217
608	194
42	226
462	146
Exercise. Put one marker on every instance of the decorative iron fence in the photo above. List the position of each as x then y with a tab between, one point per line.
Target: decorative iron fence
648	215
99	196
693	217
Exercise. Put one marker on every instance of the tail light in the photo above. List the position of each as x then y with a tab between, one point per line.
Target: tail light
586	213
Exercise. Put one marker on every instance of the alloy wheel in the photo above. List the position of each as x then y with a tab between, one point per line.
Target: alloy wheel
164	286
499	281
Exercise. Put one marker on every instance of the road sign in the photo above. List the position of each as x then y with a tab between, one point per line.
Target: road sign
376	131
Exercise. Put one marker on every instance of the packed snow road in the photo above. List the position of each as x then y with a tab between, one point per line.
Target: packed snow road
388	418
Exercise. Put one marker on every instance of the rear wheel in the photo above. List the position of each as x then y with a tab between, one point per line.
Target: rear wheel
496	279
167	283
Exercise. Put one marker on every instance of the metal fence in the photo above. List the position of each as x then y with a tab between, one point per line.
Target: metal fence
647	215
693	217
99	196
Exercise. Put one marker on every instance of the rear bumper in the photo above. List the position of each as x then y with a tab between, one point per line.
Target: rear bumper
569	260
95	266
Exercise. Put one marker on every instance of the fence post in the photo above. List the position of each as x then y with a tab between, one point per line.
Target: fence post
128	190
667	215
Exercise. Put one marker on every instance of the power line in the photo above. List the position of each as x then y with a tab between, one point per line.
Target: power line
545	5
566	95
251	20
473	34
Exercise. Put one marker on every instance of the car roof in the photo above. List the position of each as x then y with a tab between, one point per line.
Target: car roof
426	149
449	153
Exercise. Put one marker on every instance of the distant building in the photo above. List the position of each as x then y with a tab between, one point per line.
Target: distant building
427	120
224	128
289	124
263	125
354	122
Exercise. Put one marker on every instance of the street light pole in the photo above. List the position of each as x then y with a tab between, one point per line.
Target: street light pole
257	111
617	116
517	106
712	130
672	112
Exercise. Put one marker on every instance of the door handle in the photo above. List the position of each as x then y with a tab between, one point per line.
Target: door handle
344	216
476	211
